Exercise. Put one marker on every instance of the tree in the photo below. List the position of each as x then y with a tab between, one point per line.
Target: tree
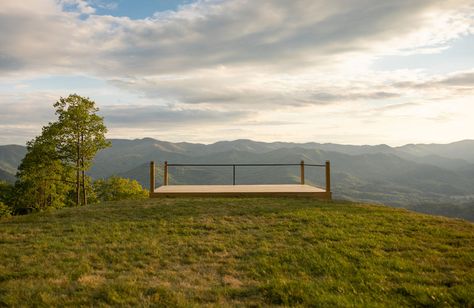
52	173
116	188
43	180
81	136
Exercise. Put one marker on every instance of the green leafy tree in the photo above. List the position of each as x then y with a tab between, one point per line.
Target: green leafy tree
116	188
52	174
43	180
81	136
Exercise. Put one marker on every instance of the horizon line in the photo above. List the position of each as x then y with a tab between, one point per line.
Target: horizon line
271	142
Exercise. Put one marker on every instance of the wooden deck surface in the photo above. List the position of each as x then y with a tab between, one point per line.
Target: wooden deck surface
240	191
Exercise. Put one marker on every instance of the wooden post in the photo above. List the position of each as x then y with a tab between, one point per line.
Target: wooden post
233	174
152	178
328	176
165	174
302	172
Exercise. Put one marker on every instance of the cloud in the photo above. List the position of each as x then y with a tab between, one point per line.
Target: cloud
158	116
104	4
461	79
453	84
40	111
18	134
236	91
27	109
270	35
396	107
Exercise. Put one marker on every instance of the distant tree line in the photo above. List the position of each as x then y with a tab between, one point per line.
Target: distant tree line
53	172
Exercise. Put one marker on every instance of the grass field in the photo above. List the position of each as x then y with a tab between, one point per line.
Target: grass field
220	252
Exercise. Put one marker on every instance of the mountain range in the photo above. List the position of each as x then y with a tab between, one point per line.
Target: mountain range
433	178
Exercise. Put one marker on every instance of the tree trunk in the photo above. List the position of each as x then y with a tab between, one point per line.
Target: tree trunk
84	193
78	179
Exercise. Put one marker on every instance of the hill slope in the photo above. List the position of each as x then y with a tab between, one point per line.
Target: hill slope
11	156
222	252
7	176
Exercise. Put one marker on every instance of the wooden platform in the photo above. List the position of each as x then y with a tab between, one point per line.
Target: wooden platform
296	190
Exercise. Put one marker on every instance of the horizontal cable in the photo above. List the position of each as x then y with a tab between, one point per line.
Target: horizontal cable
244	165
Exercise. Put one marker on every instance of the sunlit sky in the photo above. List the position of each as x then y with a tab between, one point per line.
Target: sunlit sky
341	71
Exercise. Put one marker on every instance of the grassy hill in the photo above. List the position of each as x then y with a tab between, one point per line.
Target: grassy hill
184	252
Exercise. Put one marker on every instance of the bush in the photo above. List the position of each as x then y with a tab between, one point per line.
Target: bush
5	211
116	188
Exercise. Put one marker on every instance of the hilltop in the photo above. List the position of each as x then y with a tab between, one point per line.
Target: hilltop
430	178
183	252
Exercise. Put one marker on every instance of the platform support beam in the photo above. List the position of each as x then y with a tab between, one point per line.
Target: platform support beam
152	178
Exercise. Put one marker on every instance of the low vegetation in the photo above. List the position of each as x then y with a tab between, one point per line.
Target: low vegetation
111	189
5	196
220	252
5	211
116	188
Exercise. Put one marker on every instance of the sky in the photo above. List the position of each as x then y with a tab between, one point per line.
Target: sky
340	71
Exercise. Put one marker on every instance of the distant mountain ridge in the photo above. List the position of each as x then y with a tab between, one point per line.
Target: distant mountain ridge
409	175
11	156
463	149
6	176
127	154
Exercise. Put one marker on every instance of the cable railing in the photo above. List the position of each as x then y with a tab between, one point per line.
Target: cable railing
302	165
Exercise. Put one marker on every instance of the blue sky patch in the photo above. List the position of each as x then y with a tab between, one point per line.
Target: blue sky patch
135	9
457	56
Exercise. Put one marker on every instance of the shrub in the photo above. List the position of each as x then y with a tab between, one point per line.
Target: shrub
116	188
5	211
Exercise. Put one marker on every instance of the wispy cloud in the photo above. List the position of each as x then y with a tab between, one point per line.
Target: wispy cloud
144	116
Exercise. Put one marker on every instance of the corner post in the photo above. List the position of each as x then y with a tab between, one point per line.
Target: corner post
152	178
328	176
165	174
302	172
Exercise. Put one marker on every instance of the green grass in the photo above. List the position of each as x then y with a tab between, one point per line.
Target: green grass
219	252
